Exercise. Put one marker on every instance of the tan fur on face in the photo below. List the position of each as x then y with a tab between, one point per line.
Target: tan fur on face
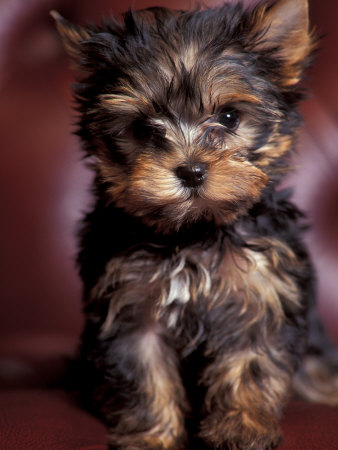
223	85
233	183
190	56
233	179
275	148
229	181
152	183
122	103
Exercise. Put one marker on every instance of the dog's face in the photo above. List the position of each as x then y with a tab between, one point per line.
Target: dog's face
190	115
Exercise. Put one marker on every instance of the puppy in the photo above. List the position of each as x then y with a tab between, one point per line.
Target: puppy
198	291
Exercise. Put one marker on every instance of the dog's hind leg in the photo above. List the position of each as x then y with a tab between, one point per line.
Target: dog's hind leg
317	377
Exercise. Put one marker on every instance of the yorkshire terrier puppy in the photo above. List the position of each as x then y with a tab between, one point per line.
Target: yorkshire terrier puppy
198	291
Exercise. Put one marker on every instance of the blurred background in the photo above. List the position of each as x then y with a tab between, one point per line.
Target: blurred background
44	186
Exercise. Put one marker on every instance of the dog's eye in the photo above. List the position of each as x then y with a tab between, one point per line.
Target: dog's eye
141	130
230	118
145	131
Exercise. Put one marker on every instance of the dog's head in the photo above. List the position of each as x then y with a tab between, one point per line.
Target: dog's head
189	115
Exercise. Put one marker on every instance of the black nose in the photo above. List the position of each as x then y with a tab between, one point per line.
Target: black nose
192	175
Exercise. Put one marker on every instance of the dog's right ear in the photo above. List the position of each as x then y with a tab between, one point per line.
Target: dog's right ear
91	48
72	35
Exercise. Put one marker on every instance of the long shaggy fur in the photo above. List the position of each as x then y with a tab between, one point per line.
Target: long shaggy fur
198	291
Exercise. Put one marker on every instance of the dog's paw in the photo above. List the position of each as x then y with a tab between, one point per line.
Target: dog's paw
240	432
144	441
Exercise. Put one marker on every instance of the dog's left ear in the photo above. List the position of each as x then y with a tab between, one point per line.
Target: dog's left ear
284	29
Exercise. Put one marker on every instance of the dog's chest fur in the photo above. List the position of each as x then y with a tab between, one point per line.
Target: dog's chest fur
238	283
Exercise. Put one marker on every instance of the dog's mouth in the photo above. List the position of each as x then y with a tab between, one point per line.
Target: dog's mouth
193	208
196	194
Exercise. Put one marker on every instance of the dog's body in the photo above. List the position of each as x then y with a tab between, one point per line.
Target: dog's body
199	294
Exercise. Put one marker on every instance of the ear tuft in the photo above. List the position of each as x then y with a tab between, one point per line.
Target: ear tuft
284	28
71	35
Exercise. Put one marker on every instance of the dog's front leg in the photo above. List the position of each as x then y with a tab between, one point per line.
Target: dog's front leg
136	385
244	395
